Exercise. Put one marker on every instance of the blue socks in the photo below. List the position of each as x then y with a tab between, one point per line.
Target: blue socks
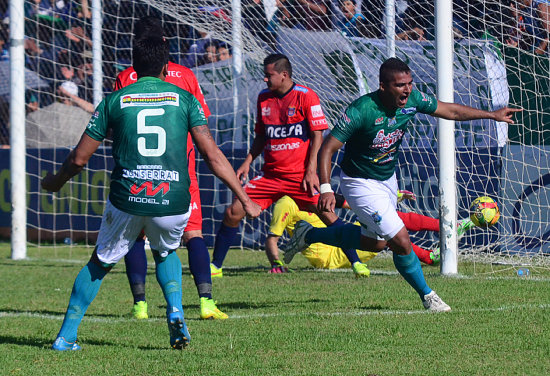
199	265
168	272
85	288
224	238
409	267
351	253
347	236
136	269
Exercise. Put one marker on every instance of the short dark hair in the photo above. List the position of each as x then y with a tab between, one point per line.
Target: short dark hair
149	55
148	26
390	67
280	63
343	1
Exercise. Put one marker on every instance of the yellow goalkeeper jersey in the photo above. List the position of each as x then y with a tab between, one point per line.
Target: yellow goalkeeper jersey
286	213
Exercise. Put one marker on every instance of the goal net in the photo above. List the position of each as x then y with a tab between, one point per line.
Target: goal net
501	58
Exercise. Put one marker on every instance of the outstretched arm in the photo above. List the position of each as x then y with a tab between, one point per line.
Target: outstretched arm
329	147
221	167
453	111
74	163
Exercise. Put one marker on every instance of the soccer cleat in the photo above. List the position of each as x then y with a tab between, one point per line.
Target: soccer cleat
297	243
435	256
61	345
139	310
432	302
462	227
278	267
209	311
215	272
360	270
179	335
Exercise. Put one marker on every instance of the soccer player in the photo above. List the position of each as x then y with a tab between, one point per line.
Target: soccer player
372	128
289	127
286	213
199	258
149	189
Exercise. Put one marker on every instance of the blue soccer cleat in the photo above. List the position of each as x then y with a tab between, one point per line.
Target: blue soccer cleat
61	345
179	335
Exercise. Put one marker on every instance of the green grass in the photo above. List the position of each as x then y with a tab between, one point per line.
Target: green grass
303	323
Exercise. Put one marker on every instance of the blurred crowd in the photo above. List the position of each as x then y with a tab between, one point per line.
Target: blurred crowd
58	35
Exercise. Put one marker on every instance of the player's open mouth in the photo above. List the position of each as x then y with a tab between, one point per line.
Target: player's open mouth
403	100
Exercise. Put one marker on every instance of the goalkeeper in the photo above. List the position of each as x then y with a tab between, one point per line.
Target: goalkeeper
286	213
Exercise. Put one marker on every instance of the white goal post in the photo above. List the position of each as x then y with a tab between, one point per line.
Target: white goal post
494	63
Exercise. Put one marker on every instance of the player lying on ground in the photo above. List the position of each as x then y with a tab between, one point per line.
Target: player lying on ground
372	128
166	114
286	213
197	251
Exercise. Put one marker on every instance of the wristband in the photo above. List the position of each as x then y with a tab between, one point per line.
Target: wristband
326	188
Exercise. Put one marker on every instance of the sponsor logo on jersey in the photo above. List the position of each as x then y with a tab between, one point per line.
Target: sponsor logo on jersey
385	141
317	111
286	131
377	218
425	98
149	99
163	187
95	115
281	147
266	111
133	76
172	73
379	121
392	122
291	111
407	111
151	174
318	122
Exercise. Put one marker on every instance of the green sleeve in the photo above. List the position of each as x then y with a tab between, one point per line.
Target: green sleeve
425	103
97	126
347	124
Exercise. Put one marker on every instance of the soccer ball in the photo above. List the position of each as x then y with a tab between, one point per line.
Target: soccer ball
484	212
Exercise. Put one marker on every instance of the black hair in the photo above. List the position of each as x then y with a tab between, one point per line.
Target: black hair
148	26
280	63
343	1
149	56
390	67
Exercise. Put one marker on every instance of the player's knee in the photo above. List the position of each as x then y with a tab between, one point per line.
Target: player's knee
234	213
191	234
95	259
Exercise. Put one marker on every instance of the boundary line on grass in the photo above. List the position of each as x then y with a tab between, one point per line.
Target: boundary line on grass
92	318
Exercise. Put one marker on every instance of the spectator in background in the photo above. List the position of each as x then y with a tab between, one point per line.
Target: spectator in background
417	20
313	15
531	25
255	20
4	47
68	90
354	24
196	53
224	52
210	53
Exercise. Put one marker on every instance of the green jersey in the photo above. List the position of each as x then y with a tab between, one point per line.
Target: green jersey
373	134
150	121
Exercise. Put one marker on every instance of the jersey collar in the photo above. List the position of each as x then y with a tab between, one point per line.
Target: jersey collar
148	78
284	95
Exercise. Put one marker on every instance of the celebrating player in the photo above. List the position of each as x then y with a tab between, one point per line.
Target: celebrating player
372	128
199	258
289	132
149	121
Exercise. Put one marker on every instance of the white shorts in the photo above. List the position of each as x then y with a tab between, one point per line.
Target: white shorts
119	230
374	202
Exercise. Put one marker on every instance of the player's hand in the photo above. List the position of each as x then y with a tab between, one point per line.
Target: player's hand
252	209
242	172
310	184
506	114
405	195
327	202
50	183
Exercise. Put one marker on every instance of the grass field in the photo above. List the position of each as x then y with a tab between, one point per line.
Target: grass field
303	323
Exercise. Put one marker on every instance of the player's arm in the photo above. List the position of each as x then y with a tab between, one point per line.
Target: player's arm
271	248
311	180
454	111
330	146
74	163
220	166
256	149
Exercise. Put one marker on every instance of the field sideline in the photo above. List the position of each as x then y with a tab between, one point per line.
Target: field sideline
303	323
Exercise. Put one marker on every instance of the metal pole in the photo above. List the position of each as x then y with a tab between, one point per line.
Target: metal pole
17	132
390	28
97	57
236	33
446	138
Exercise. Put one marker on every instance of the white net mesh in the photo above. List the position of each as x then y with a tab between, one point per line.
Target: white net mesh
500	58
